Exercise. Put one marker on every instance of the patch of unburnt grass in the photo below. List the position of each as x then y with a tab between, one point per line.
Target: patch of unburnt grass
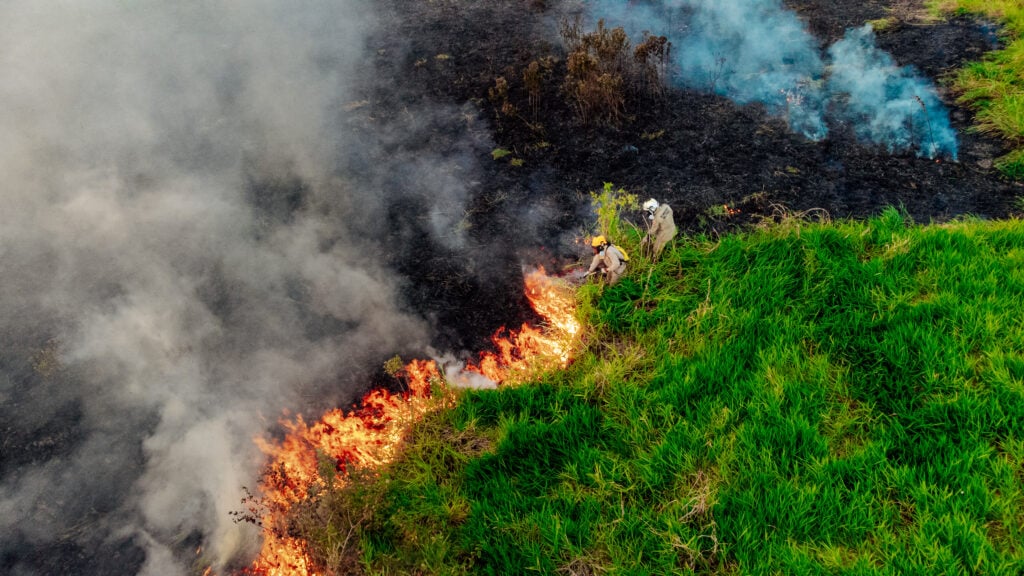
993	86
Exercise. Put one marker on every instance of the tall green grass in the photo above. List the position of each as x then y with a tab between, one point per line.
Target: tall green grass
994	87
803	399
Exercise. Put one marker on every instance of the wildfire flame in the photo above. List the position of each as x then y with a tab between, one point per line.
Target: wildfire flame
366	437
369	436
547	346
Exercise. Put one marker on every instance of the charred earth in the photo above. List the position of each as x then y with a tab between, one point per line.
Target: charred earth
691	149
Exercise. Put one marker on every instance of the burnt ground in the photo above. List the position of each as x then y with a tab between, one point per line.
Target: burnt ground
694	150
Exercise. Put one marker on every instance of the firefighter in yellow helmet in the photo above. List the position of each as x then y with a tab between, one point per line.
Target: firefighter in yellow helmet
661	227
608	259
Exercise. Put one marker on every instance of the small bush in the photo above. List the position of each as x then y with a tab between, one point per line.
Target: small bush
652	60
602	71
536	72
609	203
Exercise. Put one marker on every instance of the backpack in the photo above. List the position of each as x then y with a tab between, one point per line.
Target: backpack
625	257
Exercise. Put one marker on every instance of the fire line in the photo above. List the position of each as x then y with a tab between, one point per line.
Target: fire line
370	436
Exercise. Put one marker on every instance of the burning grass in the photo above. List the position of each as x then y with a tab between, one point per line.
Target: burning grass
313	462
850	397
520	352
319	491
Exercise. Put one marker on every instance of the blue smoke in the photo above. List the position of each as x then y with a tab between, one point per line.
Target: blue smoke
887	104
756	51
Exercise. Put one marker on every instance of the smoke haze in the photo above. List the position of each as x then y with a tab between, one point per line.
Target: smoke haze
184	256
893	106
758	51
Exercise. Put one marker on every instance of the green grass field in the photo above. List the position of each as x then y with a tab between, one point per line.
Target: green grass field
993	86
800	399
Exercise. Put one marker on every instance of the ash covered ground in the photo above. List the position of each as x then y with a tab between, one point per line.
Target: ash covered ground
710	150
441	227
693	149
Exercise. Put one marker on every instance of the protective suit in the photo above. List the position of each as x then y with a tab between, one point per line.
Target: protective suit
609	260
662	227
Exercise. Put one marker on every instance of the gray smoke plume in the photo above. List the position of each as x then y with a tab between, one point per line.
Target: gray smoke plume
183	257
756	51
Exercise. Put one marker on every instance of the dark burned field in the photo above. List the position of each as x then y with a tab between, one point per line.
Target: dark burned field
695	151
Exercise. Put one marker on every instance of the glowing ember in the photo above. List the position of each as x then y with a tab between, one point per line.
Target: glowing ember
369	436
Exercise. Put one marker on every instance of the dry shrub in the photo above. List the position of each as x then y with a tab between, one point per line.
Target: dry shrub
331	521
533	78
498	95
602	70
652	58
594	72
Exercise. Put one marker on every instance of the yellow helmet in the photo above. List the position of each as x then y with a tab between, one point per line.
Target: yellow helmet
598	241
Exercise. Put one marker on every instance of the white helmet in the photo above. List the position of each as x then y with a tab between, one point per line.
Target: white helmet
651	205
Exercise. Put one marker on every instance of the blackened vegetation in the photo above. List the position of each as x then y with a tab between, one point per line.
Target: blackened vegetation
936	49
434	65
828	20
570	124
602	71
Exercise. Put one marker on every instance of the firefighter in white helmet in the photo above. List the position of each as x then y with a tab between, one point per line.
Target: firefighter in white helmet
661	227
608	259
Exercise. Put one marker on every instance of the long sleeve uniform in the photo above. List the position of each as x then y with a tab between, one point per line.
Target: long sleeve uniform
663	228
610	261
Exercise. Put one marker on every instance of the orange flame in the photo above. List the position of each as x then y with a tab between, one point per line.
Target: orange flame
518	350
366	437
370	435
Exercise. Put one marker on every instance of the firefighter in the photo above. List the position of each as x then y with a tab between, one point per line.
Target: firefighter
608	259
661	227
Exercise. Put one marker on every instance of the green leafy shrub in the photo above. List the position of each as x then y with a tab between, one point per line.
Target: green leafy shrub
608	204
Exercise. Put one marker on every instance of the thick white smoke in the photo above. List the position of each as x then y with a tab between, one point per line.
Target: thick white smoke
161	303
758	51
